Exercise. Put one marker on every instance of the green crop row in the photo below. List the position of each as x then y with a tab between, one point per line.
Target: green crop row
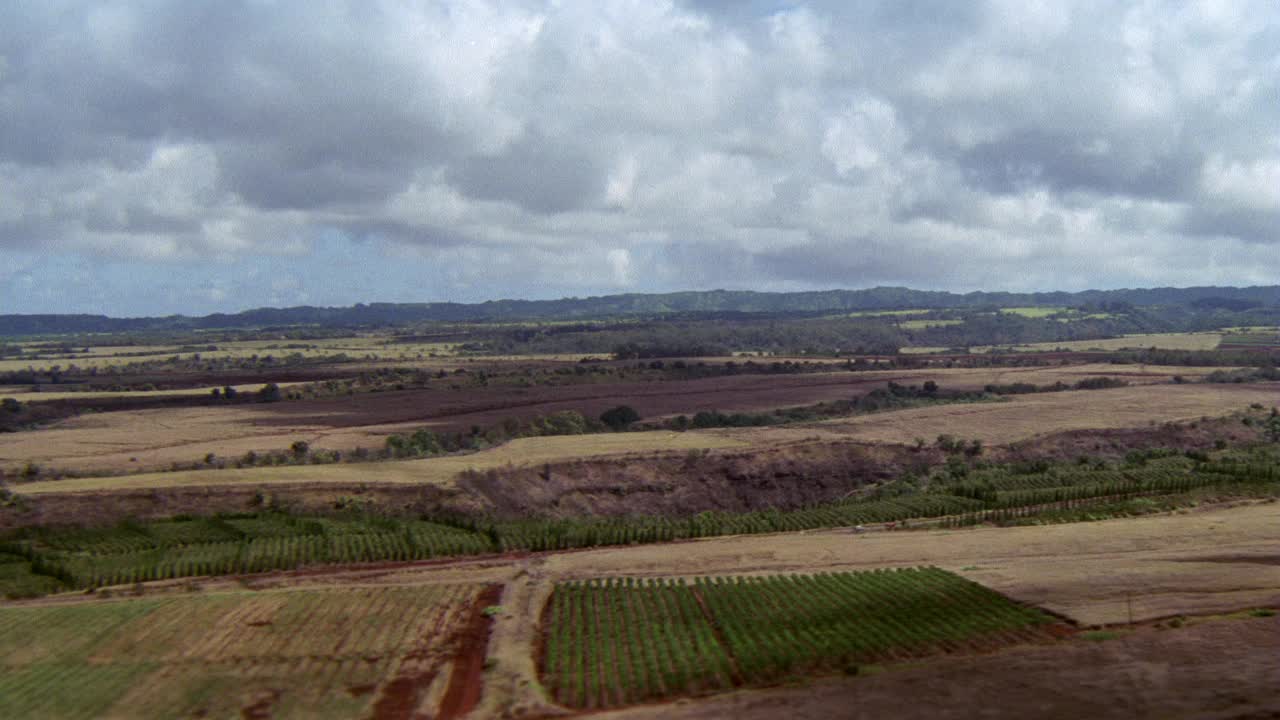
622	640
42	560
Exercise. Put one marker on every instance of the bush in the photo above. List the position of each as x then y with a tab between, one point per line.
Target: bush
269	393
565	422
620	417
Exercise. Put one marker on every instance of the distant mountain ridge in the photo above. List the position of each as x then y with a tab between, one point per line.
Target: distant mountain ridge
710	301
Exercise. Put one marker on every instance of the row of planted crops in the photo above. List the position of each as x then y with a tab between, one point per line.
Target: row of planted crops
625	640
39	561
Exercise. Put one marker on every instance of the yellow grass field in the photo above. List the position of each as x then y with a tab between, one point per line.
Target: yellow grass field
1032	312
372	347
24	393
1022	417
322	653
1160	341
435	471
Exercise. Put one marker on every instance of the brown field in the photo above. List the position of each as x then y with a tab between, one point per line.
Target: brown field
1022	417
155	439
321	652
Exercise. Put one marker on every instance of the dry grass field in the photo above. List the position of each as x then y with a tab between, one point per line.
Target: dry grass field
1160	341
316	653
439	471
25	394
370	349
1027	416
155	439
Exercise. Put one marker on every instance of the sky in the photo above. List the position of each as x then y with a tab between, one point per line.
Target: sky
197	157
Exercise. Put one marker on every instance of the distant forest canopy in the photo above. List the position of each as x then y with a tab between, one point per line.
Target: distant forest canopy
689	304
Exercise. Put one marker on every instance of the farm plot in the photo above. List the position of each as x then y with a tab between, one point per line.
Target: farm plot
48	560
622	641
313	653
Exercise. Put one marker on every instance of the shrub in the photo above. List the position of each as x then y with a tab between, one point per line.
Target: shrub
620	417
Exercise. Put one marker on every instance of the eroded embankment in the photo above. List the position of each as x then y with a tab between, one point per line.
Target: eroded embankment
108	507
782	476
789	476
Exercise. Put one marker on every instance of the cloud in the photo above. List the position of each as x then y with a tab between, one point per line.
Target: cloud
547	149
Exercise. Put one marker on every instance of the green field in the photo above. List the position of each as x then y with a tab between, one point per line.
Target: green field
38	561
319	653
623	641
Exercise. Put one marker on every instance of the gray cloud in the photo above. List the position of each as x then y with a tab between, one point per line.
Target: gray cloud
651	145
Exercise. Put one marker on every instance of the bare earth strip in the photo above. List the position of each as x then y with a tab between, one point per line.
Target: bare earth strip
439	471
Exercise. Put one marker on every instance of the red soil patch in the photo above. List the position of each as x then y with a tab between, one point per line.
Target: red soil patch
466	681
399	698
260	709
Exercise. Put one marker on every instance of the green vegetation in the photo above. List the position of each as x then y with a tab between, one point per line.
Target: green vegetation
38	561
893	396
1095	383
620	641
965	491
620	417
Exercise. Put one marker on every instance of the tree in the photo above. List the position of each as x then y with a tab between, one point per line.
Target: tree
620	417
11	405
269	393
